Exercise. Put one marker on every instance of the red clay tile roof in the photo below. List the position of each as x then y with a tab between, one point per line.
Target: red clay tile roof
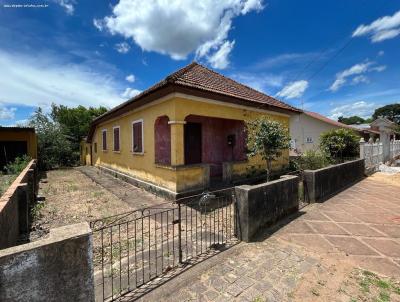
199	77
327	120
335	123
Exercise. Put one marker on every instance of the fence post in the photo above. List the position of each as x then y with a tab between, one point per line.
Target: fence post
179	233
362	148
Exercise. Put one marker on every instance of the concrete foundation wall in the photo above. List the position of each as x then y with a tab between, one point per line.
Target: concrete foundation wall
321	184
261	205
14	206
57	268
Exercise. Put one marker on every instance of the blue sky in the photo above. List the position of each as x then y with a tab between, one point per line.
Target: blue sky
333	57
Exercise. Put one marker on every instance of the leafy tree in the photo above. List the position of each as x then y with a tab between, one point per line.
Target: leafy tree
75	121
267	138
351	120
54	149
391	112
340	143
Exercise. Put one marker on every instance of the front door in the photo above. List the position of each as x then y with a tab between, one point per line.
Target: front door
192	143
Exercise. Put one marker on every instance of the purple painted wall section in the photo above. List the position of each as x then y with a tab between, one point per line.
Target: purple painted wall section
215	148
162	141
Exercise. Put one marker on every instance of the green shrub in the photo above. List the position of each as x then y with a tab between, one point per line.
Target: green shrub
17	165
313	160
340	143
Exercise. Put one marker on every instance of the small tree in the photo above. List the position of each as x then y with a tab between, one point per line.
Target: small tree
340	143
267	138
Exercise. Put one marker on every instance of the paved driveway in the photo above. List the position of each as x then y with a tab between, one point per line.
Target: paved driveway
310	258
362	222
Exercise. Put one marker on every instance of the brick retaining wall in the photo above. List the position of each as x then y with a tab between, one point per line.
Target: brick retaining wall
15	204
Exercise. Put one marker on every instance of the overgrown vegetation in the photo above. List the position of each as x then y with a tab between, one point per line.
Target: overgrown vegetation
11	171
312	160
267	138
340	143
17	165
60	132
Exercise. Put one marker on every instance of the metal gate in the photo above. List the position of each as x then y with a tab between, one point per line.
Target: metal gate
134	248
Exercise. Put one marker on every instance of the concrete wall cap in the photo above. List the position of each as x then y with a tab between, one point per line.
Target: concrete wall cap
56	235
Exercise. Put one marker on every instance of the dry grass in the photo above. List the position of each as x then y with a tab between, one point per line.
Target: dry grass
71	197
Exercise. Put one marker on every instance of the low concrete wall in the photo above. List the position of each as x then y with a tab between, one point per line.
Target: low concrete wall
260	205
321	184
57	268
15	204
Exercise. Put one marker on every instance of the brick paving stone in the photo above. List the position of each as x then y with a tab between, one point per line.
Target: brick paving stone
350	245
234	290
210	295
250	295
360	230
244	282
329	228
263	286
386	246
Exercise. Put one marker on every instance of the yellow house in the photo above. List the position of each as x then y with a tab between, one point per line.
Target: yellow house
15	142
184	134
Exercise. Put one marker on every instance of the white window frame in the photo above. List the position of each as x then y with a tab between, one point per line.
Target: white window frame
311	141
102	140
132	136
119	139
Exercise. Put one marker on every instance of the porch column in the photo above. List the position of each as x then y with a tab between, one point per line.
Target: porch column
177	142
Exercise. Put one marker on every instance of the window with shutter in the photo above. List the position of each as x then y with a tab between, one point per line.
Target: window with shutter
116	139
104	140
137	136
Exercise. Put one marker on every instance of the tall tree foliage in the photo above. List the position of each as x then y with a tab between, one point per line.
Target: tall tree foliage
352	120
60	133
391	112
54	148
268	139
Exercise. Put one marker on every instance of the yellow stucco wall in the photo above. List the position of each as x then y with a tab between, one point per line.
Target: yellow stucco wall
85	153
142	166
28	136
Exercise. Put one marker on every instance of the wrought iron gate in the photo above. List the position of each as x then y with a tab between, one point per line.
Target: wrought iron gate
134	248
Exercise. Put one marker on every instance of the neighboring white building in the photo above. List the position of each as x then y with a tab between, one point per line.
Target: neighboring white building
306	128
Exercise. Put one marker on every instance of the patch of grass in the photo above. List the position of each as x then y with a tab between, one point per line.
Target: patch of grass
384	296
258	299
35	211
383	284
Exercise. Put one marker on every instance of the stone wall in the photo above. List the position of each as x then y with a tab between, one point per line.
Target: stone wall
261	205
15	204
321	184
56	268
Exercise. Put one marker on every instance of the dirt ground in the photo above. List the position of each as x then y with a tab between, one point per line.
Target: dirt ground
72	197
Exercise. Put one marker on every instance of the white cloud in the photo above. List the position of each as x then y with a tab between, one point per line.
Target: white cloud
360	108
178	28
130	93
381	53
99	24
130	78
122	47
68	5
38	80
219	59
384	28
360	79
7	113
293	90
357	69
260	82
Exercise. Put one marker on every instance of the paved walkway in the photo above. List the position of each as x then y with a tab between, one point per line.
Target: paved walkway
137	198
359	227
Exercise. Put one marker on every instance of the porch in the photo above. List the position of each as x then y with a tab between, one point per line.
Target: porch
203	151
